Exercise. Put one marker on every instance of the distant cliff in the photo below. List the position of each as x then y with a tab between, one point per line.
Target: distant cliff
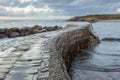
95	17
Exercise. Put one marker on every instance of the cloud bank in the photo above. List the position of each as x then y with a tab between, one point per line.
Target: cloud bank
56	8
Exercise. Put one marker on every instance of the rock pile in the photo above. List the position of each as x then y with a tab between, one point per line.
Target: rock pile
16	32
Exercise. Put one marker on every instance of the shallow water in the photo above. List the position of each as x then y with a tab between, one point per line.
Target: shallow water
101	62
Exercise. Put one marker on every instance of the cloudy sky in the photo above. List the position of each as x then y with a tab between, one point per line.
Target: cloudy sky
53	9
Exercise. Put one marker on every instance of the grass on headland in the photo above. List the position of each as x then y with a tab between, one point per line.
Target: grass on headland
96	17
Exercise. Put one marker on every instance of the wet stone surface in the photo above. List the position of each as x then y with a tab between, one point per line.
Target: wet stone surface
24	58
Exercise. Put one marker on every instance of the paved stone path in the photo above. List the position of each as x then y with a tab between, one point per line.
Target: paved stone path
24	58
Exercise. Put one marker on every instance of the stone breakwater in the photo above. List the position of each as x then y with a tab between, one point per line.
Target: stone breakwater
66	46
43	56
16	32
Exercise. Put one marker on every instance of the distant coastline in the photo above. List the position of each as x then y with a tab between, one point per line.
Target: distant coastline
109	20
97	18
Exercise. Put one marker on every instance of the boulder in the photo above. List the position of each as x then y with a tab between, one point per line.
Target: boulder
56	27
50	28
43	30
14	34
3	36
35	31
60	27
2	31
8	31
37	27
25	33
26	29
14	29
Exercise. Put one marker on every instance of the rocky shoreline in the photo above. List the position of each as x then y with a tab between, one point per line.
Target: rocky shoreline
16	32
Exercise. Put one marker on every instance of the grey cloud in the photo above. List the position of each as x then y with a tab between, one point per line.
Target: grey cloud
64	7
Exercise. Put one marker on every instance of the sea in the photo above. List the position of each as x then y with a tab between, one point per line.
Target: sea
101	62
31	23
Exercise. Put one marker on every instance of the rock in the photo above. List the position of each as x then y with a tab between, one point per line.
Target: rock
2	30
25	33
35	31
56	27
43	30
14	34
38	31
37	27
69	25
50	28
3	36
14	29
60	27
45	27
26	29
8	32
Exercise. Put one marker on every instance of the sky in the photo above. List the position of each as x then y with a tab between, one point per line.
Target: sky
55	9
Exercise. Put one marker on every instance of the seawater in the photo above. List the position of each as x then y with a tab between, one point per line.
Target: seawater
101	62
30	23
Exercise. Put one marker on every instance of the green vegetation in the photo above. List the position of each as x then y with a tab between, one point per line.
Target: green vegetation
96	17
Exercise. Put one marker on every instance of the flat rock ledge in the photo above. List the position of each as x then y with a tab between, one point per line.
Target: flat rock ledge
44	56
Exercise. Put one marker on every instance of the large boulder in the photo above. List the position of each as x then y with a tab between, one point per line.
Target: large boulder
25	33
57	27
37	27
3	36
8	32
14	29
26	29
2	31
14	34
50	28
